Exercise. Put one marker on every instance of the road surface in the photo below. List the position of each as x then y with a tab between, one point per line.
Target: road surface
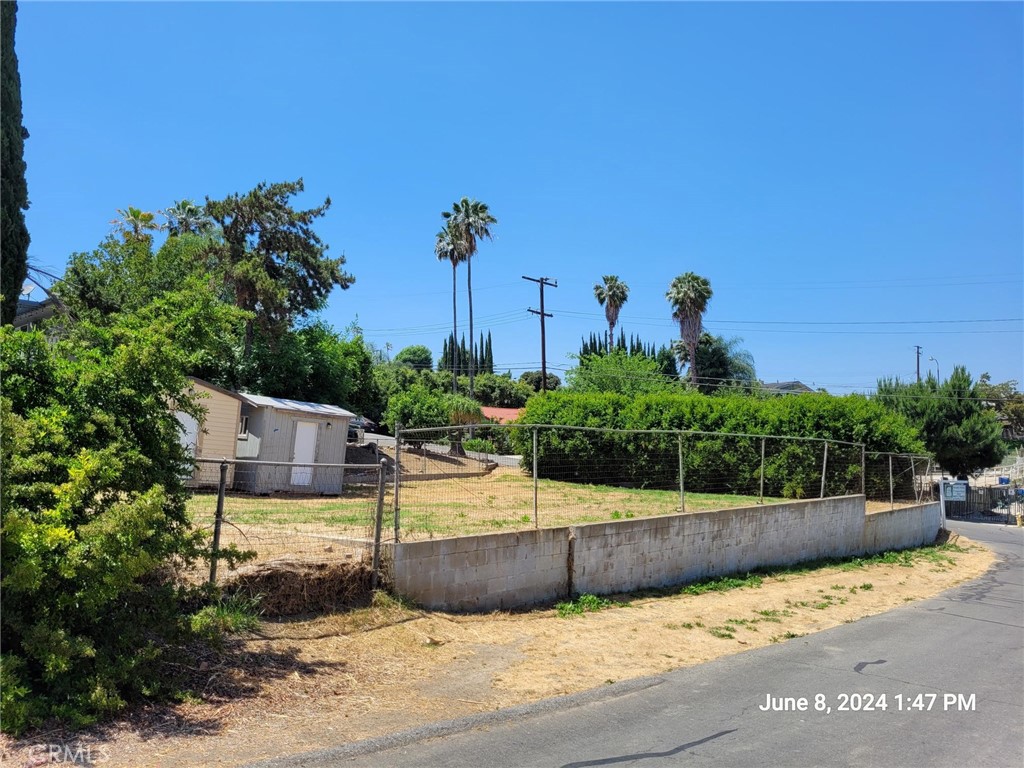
950	669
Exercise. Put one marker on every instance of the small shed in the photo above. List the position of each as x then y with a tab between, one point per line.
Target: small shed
285	440
215	435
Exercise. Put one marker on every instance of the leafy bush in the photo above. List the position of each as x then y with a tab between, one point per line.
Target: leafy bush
93	515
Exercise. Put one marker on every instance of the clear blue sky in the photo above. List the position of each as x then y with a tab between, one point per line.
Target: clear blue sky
849	177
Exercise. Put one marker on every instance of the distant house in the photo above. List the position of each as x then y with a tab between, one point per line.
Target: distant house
786	388
501	415
215	435
30	314
281	431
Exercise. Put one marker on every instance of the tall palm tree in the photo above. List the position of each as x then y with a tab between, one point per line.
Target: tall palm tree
446	249
611	295
469	221
689	295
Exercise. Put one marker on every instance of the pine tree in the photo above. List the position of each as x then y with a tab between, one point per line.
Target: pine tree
14	238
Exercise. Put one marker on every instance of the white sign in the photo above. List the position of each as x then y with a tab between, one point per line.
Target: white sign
954	491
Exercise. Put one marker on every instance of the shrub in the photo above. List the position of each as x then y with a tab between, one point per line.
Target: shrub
713	462
93	514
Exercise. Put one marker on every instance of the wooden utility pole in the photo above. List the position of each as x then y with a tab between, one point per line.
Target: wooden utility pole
542	281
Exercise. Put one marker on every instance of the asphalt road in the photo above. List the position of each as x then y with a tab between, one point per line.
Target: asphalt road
965	647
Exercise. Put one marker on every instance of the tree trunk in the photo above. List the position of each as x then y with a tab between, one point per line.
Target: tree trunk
455	331
469	286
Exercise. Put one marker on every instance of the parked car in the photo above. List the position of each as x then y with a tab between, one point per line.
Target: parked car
358	427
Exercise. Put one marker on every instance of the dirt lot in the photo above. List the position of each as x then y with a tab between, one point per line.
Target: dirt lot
306	684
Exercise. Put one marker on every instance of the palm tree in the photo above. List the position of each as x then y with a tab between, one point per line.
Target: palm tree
134	223
611	295
722	363
186	217
689	295
469	221
445	249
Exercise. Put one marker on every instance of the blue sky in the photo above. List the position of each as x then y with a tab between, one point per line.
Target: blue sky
849	177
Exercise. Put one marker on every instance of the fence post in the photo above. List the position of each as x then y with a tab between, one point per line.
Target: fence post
536	517
682	477
398	471
824	469
863	470
760	493
378	524
892	502
218	519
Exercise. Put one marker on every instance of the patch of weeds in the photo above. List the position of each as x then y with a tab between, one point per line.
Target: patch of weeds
909	599
791	635
616	515
853	590
867	586
525	519
725	633
723	584
629	515
838	587
582	604
229	615
822	605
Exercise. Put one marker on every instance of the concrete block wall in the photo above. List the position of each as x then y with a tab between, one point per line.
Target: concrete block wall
509	570
662	551
901	528
483	573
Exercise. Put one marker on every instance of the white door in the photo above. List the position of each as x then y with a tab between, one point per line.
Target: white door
190	436
304	452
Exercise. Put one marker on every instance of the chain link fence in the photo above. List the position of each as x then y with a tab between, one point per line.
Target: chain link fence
308	513
483	478
486	478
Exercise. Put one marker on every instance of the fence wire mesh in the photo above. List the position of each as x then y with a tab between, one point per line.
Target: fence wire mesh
470	479
474	479
319	513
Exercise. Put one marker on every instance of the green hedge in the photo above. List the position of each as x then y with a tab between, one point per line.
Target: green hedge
718	462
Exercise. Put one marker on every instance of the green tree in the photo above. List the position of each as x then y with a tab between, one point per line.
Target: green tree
956	426
501	391
417	357
123	275
689	295
611	294
620	372
14	238
1006	400
533	380
722	363
271	260
467	222
446	249
419	407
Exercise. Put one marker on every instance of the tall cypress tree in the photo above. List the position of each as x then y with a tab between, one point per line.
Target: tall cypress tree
14	237
489	355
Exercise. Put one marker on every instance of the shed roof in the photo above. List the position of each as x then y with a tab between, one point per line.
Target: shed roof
296	406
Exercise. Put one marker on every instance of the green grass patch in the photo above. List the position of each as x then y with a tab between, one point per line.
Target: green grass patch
583	604
722	584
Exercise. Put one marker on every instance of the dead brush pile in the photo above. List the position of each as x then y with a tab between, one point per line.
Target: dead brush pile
288	587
